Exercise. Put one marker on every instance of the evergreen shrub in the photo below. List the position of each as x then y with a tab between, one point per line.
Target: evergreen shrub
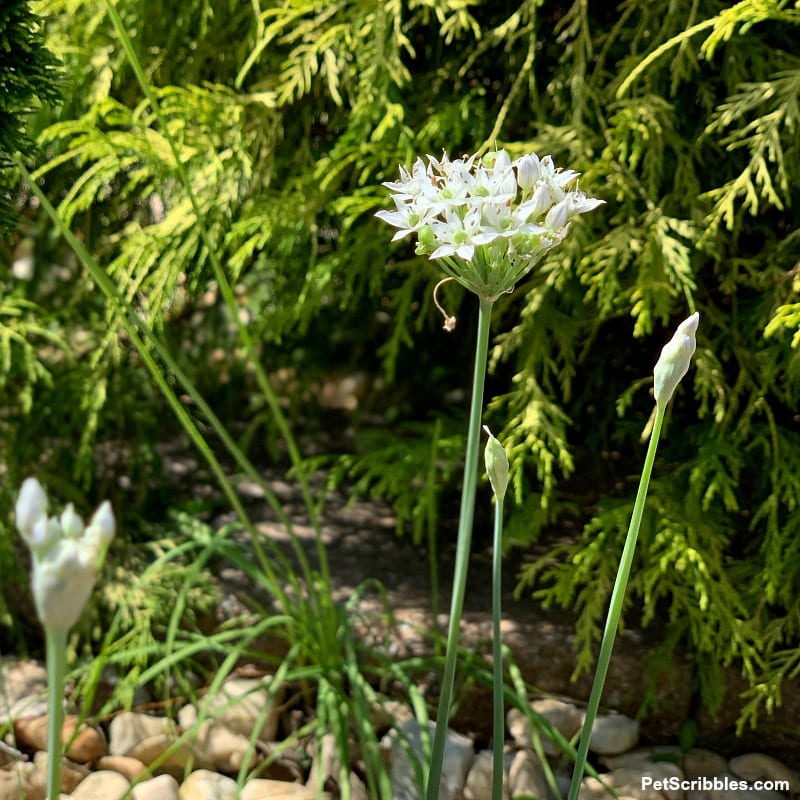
28	73
682	115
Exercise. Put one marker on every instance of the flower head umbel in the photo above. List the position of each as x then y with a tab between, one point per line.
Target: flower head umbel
66	555
488	221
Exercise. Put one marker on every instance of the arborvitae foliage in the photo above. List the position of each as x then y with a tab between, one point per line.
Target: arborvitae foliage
682	115
28	72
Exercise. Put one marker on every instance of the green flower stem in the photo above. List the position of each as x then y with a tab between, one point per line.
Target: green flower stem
498	718
615	607
56	670
466	515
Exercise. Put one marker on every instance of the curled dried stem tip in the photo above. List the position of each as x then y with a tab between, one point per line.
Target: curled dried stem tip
449	322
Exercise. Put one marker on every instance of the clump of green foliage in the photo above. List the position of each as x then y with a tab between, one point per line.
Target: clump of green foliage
28	73
288	115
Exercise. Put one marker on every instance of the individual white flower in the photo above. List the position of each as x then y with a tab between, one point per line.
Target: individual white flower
488	222
66	555
410	216
457	236
676	355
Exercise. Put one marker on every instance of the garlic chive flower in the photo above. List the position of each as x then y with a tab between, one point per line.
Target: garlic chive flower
66	555
673	363
488	222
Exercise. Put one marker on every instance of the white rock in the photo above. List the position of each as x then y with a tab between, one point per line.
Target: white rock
631	783
102	785
478	785
385	713
643	757
358	789
128	729
152	739
161	750
202	784
15	779
240	703
263	789
526	777
71	775
613	734
564	717
23	688
131	768
217	747
760	767
727	786
699	763
325	763
162	787
187	716
458	755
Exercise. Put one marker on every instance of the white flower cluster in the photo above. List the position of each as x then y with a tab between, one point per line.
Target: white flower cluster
66	556
489	221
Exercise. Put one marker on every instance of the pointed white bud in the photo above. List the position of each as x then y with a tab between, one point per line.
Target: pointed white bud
558	216
496	465
101	531
675	357
71	523
31	506
527	171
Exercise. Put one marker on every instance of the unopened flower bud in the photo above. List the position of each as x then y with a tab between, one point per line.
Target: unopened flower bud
674	360
527	171
426	241
71	523
66	556
101	531
558	216
31	506
496	465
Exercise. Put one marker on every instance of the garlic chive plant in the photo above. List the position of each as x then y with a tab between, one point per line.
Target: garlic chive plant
487	222
66	561
670	368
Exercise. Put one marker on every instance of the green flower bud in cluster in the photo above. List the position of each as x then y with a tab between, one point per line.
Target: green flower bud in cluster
66	555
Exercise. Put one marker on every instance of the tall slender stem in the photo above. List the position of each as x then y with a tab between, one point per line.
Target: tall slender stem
56	669
466	516
615	607
498	723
